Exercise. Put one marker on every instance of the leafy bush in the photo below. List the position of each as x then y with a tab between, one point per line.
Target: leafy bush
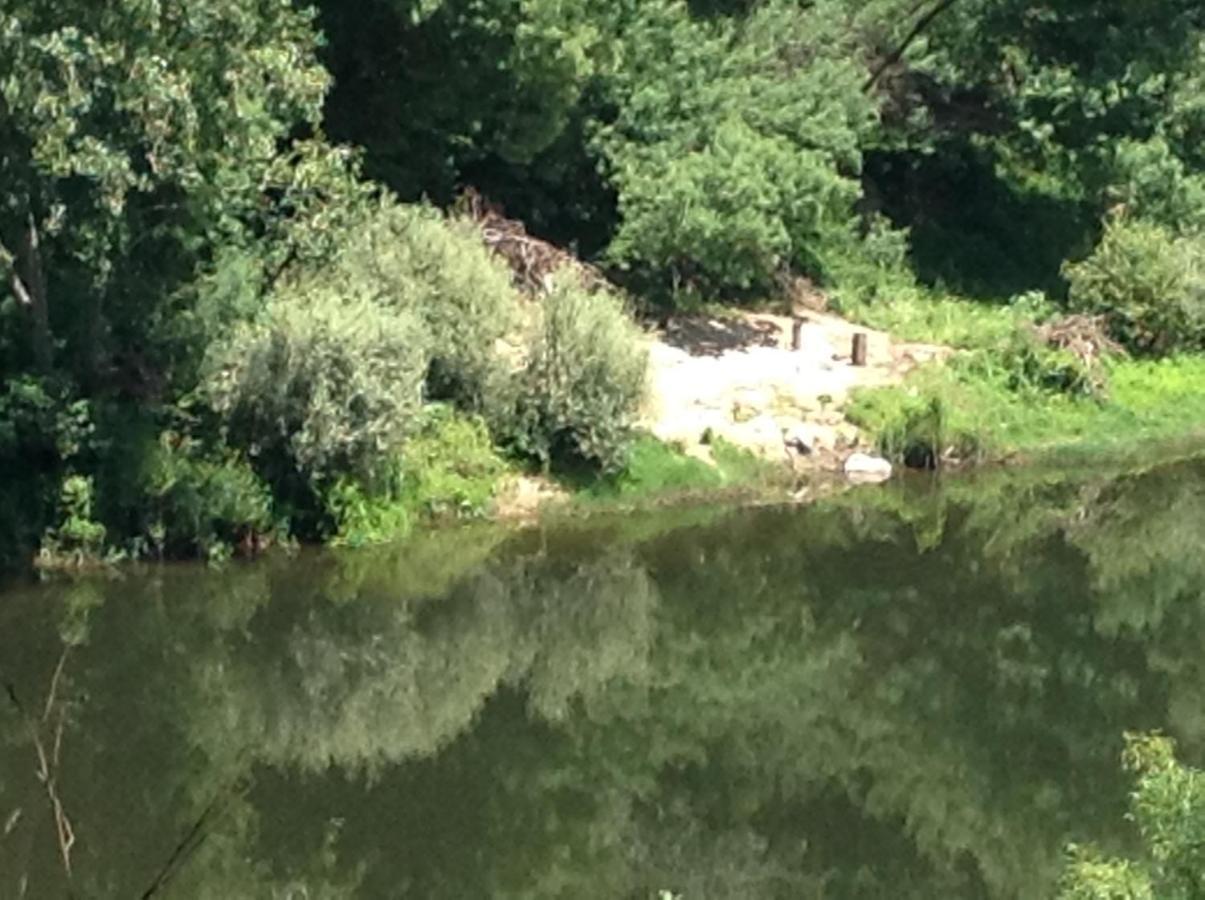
734	148
1152	183
43	429
450	467
327	382
202	503
579	393
725	217
1149	282
78	540
362	515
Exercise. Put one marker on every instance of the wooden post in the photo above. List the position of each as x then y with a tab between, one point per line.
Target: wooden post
797	334
858	352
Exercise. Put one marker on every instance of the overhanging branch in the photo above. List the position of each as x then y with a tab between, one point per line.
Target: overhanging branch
898	53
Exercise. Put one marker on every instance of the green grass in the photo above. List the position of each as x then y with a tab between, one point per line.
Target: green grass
657	471
914	313
981	416
984	406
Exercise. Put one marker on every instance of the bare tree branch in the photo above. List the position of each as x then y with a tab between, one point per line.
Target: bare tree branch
48	764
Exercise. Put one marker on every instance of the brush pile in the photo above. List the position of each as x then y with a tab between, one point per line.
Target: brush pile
1087	337
532	261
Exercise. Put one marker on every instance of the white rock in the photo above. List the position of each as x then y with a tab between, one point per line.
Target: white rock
862	467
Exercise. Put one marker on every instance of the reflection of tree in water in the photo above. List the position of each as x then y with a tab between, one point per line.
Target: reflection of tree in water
211	684
885	696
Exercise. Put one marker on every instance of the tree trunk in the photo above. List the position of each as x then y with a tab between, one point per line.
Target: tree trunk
27	280
858	351
39	310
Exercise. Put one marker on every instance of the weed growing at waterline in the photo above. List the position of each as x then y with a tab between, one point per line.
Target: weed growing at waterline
78	541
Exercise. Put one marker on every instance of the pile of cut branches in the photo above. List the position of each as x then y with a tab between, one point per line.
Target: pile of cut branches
532	261
1085	336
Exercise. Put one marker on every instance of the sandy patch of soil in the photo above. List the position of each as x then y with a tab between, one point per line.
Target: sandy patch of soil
738	378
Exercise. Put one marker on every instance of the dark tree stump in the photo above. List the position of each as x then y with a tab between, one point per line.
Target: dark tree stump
858	352
797	334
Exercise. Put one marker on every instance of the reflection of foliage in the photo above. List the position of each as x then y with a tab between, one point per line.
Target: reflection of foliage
907	693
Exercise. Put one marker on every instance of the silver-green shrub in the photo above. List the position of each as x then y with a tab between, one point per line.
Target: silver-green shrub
579	394
327	379
411	258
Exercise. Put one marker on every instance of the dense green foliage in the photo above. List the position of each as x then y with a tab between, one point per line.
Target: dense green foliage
1149	282
735	150
215	232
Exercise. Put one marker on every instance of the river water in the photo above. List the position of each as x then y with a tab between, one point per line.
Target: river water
918	691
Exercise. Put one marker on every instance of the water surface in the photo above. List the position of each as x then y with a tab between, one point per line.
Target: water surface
912	692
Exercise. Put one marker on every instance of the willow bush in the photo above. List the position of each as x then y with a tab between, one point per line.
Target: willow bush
578	396
325	382
412	260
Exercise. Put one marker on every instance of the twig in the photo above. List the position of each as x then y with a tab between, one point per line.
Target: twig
48	766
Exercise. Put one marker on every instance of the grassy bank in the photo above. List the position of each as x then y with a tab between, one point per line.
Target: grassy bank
454	474
658	473
1003	397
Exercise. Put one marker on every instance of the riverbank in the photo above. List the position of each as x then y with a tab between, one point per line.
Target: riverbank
776	386
947	381
726	392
